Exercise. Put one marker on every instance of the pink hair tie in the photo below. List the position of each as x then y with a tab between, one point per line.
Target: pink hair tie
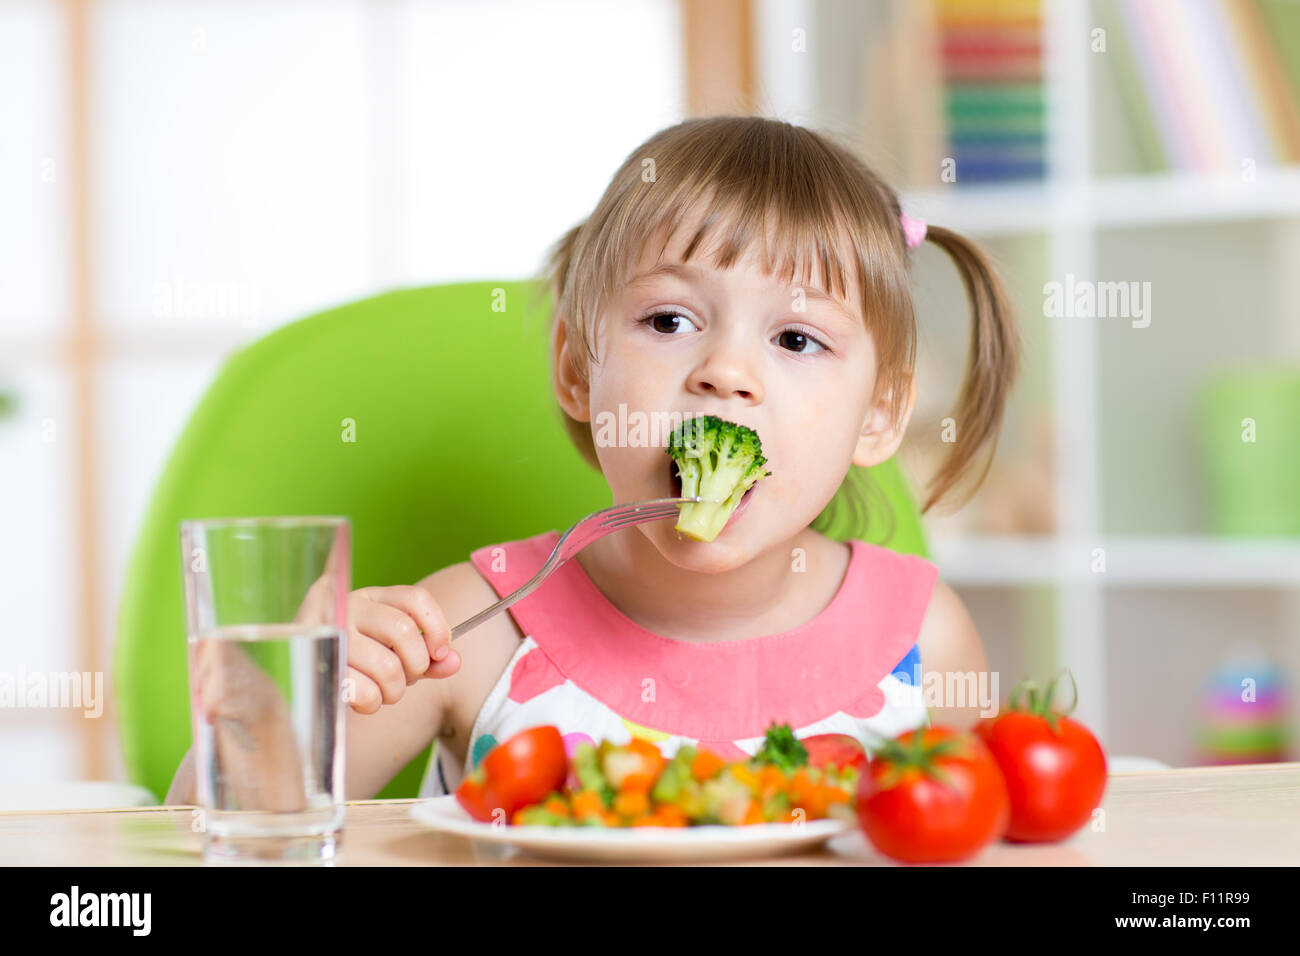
913	229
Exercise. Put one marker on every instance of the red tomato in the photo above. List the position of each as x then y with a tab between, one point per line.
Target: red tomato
476	800
1054	767
518	773
932	796
837	750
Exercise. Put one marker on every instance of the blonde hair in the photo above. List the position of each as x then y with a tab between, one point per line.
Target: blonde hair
750	174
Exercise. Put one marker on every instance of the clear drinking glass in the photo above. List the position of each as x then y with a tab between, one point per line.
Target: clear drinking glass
266	624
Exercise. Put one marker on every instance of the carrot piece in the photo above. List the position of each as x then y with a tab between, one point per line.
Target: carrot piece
816	804
587	803
651	765
612	819
805	792
799	788
557	805
671	816
771	781
632	803
753	813
706	765
645	748
837	795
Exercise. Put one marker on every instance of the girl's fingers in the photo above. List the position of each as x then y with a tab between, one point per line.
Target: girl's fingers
421	607
445	667
367	698
395	630
378	663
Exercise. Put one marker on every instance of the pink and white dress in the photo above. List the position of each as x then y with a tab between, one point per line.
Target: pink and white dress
596	675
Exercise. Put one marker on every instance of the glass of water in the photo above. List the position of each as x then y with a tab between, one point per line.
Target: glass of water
266	624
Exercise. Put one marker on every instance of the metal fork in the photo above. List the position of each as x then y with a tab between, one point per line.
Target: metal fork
591	528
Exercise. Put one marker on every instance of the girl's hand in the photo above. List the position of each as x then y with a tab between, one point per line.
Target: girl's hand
395	637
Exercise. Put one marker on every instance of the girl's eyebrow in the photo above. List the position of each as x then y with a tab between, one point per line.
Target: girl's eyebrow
681	270
689	272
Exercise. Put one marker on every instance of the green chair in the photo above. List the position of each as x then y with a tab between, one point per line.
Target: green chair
457	443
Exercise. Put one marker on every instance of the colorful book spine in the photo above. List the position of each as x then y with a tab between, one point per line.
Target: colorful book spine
991	53
1218	80
1121	57
1268	34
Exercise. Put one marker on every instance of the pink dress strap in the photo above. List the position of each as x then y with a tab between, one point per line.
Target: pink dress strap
721	690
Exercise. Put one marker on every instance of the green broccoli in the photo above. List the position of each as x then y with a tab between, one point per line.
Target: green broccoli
782	749
586	763
674	776
717	461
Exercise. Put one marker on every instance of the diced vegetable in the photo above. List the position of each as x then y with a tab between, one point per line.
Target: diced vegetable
706	765
782	749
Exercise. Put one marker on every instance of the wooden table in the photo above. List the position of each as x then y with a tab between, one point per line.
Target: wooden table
1190	816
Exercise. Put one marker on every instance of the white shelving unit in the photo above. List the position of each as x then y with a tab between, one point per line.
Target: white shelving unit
1070	211
1176	198
1131	562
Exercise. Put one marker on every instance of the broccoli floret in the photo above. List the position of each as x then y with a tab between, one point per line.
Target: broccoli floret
782	749
717	461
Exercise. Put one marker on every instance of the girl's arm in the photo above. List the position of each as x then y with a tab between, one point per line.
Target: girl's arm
953	663
382	743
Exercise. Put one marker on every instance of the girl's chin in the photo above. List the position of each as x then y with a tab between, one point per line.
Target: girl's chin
723	553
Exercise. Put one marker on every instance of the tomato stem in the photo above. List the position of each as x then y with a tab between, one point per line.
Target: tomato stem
918	755
1041	706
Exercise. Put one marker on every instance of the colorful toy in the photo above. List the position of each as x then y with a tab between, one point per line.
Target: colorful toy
1242	716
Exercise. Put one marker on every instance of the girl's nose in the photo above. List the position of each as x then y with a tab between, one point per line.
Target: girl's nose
726	378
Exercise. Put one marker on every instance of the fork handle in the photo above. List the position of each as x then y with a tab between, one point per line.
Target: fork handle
492	609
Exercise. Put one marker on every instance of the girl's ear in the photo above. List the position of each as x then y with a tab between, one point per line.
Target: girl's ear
573	396
880	437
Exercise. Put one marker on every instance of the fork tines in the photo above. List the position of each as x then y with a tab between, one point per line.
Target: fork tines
633	516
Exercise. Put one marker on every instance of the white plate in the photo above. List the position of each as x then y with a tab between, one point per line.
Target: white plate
638	844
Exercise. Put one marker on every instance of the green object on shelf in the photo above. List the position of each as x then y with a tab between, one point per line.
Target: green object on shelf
1267	739
458	443
1250	437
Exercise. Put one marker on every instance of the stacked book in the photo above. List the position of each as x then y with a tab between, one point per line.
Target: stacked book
991	59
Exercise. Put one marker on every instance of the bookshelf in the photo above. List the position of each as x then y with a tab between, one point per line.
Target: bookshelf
1118	201
1038	599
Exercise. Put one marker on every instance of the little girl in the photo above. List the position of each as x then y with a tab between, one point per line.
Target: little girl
754	270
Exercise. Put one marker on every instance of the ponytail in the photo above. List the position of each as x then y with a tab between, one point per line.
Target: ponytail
991	364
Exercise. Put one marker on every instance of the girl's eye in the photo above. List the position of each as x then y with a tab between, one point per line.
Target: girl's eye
799	340
652	321
795	340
